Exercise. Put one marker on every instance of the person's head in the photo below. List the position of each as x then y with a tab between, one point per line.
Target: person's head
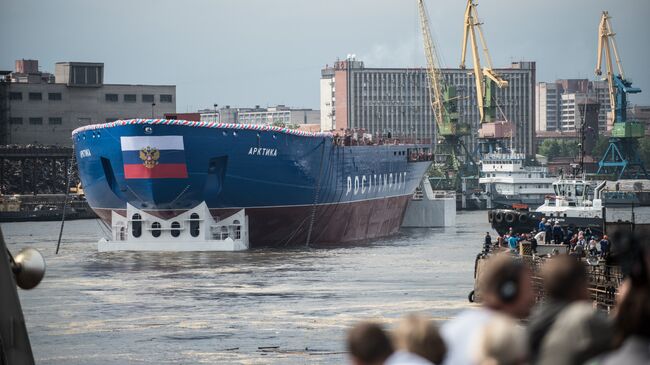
368	344
502	342
417	334
565	279
506	286
543	220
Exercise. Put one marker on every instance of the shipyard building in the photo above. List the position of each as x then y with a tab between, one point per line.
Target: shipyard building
43	108
395	101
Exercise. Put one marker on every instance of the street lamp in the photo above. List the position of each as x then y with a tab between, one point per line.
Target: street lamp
215	113
152	105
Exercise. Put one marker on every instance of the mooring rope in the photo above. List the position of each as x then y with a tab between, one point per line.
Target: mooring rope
316	193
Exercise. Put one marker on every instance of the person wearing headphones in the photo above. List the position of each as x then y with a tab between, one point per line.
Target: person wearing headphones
505	289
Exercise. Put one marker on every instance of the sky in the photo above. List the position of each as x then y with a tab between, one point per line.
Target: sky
267	52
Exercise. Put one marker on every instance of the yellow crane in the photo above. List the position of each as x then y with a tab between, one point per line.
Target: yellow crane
445	109
441	96
622	155
484	90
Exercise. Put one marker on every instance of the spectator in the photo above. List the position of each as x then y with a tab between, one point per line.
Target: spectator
488	242
604	247
548	232
417	341
542	224
512	243
570	234
533	243
541	236
593	246
502	341
368	344
558	233
565	281
505	288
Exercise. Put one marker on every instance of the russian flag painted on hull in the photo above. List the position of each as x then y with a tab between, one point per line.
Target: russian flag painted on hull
154	157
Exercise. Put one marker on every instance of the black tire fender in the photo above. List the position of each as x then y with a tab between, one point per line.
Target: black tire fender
498	217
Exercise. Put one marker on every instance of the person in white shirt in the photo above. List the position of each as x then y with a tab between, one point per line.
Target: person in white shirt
505	288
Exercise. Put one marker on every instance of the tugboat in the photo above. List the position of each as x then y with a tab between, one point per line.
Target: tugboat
576	203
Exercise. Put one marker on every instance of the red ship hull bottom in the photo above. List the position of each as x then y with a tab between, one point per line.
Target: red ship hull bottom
333	224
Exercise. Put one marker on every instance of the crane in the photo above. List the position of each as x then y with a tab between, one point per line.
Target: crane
622	154
443	100
484	77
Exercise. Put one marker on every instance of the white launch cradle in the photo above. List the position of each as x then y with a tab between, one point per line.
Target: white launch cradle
193	230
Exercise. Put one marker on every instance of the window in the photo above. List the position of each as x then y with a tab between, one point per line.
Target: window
147	98
55	120
16	120
165	98
194	225
129	98
35	96
176	229
54	96
155	229
136	226
111	98
36	120
15	96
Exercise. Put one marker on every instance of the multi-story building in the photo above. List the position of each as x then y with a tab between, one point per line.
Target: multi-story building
44	109
396	101
278	115
556	103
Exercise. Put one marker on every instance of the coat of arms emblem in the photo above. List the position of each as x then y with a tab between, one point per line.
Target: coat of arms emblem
149	156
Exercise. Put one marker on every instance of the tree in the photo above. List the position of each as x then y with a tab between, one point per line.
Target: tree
550	148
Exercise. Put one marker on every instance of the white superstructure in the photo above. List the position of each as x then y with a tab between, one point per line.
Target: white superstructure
507	179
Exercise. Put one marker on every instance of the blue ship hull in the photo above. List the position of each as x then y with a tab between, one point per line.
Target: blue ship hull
295	187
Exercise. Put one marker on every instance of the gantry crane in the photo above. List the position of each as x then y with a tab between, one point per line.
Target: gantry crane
622	155
444	104
486	79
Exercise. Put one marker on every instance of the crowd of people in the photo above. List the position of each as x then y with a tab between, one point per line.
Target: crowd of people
581	242
509	328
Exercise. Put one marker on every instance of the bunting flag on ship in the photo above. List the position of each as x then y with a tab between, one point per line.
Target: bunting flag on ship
154	157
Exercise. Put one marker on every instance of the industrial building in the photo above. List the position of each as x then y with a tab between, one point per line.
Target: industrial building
279	114
557	103
40	108
395	101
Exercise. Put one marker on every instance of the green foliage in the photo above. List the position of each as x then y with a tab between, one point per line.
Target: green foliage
600	147
644	150
552	148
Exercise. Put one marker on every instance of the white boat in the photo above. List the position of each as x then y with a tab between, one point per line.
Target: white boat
508	179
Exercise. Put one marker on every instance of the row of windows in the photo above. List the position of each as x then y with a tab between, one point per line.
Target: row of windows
129	98
36	120
145	98
34	96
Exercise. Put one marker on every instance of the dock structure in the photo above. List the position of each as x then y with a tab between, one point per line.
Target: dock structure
31	169
604	278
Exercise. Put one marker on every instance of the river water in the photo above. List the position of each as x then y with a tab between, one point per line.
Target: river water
264	306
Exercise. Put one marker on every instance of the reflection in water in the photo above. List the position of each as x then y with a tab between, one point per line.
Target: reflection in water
265	305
